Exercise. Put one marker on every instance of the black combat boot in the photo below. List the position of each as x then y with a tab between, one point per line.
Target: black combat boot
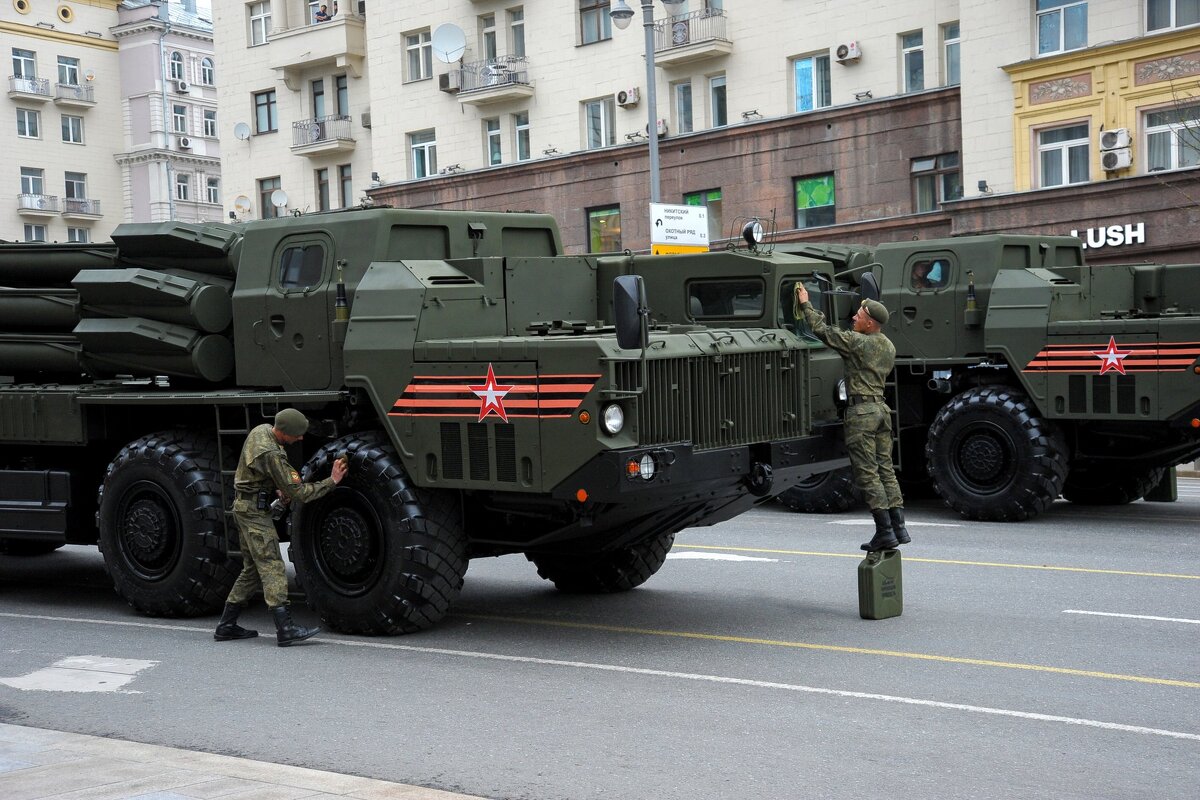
897	517
228	628
884	538
287	631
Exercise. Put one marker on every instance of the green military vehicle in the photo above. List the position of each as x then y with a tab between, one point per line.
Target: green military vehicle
1023	374
494	396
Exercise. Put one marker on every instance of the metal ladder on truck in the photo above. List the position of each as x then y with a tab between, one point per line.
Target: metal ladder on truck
236	426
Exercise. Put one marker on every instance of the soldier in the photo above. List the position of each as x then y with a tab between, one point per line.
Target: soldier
263	471
868	356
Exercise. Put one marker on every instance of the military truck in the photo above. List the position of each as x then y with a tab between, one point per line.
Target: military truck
1022	373
493	395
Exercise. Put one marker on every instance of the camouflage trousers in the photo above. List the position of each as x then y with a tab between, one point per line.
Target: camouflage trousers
869	443
262	565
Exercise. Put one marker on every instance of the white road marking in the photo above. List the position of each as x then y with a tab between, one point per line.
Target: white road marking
81	674
1131	616
689	676
693	555
908	523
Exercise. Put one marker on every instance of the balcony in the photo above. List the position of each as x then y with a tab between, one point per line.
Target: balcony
687	38
37	205
35	90
493	81
340	43
66	94
80	208
315	137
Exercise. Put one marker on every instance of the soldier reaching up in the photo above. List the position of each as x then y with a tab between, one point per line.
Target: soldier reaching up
868	356
263	472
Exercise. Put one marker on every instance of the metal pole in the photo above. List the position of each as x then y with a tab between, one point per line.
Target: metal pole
651	98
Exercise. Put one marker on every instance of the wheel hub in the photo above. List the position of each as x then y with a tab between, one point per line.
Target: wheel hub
148	536
348	546
984	459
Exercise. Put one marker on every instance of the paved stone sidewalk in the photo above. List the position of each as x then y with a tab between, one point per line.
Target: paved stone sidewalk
38	764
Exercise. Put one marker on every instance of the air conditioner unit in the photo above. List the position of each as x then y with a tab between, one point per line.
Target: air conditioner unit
1112	160
366	119
181	86
628	98
847	53
1116	138
185	143
449	82
661	127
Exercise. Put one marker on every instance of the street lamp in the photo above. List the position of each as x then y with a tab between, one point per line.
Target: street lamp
621	16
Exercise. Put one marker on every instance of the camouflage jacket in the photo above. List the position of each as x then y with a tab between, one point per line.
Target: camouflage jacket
263	464
868	357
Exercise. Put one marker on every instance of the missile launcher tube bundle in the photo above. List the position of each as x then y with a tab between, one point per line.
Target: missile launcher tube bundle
38	264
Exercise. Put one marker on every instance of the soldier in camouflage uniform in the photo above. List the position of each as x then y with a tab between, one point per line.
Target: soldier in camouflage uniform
868	356
263	472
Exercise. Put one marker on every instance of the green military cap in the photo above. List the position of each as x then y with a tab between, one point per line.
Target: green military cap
291	422
877	310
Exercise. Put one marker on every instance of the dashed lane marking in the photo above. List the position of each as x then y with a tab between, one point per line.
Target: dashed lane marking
692	555
1132	616
81	674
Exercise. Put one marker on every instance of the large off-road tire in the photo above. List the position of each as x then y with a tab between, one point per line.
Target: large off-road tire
991	457
607	572
377	555
1090	488
161	526
26	547
824	493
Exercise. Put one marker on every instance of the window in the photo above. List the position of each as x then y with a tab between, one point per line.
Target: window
814	201
179	118
266	112
716	94
322	181
301	267
35	233
936	179
265	187
28	123
176	66
950	62
424	153
313	7
212	191
260	22
210	123
604	229
521	131
929	274
72	129
208	73
341	86
183	186
912	50
318	98
1061	25
345	180
24	63
1173	138
420	56
68	71
594	22
681	94
598	120
516	32
725	299
32	181
1063	155
711	198
811	75
487	36
1161	14
491	133
78	235
76	185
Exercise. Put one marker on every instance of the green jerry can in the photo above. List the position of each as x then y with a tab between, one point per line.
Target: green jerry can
880	593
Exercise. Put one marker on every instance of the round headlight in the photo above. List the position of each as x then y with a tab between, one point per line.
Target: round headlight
647	467
752	232
613	419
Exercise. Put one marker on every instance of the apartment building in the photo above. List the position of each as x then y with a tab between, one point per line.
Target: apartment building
110	118
842	120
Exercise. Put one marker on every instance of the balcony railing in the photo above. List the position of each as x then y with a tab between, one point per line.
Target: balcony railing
72	94
322	135
80	206
29	87
494	80
37	203
691	37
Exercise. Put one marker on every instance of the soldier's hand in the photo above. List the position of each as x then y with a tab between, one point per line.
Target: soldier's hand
801	293
340	467
283	498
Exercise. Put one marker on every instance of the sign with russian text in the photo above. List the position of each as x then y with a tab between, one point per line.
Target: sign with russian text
678	229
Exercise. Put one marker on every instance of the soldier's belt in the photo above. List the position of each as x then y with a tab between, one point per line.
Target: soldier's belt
859	399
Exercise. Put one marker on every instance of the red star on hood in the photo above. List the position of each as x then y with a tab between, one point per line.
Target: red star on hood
1110	358
492	396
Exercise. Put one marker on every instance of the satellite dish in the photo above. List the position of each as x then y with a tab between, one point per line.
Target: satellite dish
90	75
448	43
279	198
241	131
242	204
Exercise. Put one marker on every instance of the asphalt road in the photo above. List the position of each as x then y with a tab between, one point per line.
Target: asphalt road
1054	658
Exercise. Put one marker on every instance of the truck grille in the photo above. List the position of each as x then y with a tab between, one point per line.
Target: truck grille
718	401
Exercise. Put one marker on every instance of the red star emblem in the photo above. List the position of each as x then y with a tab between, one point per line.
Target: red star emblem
492	396
1110	357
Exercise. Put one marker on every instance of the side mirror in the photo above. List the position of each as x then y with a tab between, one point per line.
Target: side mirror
869	287
630	312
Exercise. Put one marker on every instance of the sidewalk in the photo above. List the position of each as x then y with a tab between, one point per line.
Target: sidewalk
38	764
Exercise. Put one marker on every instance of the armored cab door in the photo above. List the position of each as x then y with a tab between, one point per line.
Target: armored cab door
295	326
930	306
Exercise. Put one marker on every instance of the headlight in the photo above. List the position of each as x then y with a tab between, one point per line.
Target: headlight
612	419
647	467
